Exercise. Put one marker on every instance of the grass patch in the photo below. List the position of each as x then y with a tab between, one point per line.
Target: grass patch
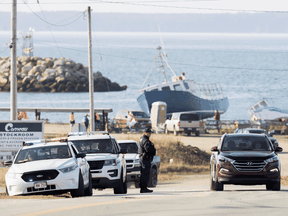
2	175
284	180
169	147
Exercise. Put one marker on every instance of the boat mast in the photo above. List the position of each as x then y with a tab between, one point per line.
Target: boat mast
91	80
13	71
161	68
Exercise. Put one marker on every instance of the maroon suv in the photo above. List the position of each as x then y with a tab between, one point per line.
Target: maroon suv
245	159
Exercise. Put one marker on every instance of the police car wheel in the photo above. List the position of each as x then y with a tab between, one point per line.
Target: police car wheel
80	191
153	178
122	187
7	193
89	191
137	184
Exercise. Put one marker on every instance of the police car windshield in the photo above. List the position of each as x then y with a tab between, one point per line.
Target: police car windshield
243	143
130	147
95	146
43	153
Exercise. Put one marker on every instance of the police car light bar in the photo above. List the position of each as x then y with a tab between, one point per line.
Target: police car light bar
33	142
88	133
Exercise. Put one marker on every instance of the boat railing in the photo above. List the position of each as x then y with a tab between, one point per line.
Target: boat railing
211	91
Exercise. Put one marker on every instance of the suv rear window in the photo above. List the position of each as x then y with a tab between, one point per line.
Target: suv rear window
245	143
95	146
189	117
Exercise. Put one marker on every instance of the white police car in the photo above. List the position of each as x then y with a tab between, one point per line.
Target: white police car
132	160
49	166
133	164
105	157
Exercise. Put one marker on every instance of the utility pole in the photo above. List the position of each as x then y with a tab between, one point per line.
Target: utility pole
91	80
13	71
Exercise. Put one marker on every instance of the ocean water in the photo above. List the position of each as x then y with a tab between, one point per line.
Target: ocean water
248	66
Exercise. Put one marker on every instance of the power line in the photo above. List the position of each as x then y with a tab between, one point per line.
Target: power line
4	50
4	44
100	57
193	8
155	5
49	29
54	24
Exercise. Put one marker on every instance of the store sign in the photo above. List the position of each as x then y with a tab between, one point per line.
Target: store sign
13	133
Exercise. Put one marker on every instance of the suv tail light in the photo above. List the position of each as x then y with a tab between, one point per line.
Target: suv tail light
200	123
178	124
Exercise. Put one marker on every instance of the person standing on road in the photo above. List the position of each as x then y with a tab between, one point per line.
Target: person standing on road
72	120
146	153
217	119
86	122
96	120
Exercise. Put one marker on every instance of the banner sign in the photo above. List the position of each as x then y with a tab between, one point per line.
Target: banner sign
13	133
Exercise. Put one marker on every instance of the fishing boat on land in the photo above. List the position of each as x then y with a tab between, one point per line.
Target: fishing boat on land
181	94
262	110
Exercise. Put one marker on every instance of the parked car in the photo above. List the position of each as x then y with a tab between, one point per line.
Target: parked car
49	167
105	157
133	165
245	159
183	122
122	118
259	131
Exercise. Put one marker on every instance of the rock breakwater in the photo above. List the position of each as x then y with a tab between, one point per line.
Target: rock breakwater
37	74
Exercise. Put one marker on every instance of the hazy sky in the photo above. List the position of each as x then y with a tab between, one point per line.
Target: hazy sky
148	6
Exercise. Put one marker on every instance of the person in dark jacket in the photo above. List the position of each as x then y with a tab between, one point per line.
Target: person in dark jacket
86	121
146	153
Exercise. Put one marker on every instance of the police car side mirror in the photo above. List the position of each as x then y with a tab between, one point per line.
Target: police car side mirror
214	149
8	163
81	155
278	149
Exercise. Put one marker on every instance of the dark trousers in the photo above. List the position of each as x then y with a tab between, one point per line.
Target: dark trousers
145	173
218	126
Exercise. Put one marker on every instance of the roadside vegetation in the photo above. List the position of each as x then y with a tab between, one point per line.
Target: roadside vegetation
2	176
177	160
284	180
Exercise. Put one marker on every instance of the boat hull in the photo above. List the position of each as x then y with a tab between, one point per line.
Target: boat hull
180	101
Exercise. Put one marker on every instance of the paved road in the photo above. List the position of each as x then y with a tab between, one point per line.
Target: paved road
189	197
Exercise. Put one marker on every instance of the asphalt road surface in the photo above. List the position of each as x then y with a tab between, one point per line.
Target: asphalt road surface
190	196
